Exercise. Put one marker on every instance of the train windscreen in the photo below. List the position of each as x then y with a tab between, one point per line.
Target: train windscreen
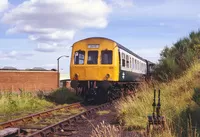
79	57
92	57
106	57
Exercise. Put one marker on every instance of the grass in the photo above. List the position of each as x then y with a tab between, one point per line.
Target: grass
13	104
177	101
103	112
62	96
105	130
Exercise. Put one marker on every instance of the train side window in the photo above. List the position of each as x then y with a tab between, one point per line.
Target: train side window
123	60
133	63
139	65
79	57
106	57
142	67
130	63
92	57
127	61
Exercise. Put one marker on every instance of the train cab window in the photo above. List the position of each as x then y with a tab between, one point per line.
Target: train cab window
92	57
127	61
79	57
123	60
106	57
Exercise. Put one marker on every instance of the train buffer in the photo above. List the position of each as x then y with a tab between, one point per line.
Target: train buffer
156	120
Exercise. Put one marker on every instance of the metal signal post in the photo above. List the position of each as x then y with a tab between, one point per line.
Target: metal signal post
156	119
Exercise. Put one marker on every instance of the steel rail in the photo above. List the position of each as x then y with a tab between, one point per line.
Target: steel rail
29	118
60	126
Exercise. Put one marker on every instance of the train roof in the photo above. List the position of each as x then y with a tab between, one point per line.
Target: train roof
119	45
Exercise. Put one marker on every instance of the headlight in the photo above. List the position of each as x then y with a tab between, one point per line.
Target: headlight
75	76
107	76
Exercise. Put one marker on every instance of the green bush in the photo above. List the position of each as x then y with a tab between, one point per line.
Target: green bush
177	59
178	100
62	96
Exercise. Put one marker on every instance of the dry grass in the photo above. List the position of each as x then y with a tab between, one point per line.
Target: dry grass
17	104
176	96
13	105
106	130
103	112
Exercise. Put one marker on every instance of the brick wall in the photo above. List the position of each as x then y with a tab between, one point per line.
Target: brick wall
28	80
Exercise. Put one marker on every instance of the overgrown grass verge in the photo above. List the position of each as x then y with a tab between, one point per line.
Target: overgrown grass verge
178	100
62	96
106	130
13	105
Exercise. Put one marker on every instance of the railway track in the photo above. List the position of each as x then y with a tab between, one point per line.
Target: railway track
62	128
56	122
44	116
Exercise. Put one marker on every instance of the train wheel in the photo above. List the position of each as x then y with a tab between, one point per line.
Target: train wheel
101	96
89	97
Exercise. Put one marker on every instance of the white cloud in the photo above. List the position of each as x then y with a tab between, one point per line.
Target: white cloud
121	3
162	9
3	5
44	47
55	21
52	47
15	55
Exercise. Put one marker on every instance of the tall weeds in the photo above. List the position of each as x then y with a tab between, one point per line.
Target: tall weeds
13	104
176	99
106	130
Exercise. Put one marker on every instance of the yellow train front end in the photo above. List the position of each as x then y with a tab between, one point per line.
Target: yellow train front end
94	61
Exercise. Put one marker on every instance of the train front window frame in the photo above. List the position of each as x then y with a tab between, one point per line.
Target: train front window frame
106	56
79	57
92	57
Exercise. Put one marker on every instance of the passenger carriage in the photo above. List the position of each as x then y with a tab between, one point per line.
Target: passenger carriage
99	64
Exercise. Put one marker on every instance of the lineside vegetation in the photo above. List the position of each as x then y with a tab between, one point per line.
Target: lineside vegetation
177	74
178	58
179	100
14	105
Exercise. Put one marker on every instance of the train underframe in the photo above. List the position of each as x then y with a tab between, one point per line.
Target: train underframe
98	92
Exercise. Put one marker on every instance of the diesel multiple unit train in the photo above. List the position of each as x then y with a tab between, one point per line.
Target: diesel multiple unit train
101	68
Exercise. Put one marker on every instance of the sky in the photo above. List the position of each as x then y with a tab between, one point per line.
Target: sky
34	33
